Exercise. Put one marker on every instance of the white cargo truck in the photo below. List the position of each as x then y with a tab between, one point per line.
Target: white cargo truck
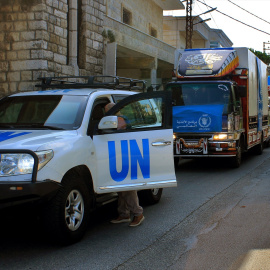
220	103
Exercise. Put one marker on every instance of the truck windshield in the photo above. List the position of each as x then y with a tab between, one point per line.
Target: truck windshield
201	94
42	112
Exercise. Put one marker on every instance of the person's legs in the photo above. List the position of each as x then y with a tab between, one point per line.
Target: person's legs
132	201
128	202
123	211
122	208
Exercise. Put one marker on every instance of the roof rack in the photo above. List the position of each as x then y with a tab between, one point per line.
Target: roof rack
99	81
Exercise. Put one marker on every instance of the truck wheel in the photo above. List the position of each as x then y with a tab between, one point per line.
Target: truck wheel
258	149
236	160
150	196
67	215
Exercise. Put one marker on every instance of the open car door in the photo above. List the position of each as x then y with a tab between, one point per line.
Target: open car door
139	153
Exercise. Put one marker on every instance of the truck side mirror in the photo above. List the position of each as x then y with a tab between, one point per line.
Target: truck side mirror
241	91
237	106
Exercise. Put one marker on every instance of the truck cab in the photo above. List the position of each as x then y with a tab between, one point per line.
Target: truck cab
219	103
220	122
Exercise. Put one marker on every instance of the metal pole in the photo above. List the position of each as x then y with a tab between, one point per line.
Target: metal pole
189	25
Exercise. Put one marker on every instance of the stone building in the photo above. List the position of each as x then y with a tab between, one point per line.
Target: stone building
82	37
139	50
49	38
92	37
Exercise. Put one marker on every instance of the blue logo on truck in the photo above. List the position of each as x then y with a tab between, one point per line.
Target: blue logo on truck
197	118
130	152
9	135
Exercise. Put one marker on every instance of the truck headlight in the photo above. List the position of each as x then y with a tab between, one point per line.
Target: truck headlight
220	137
15	164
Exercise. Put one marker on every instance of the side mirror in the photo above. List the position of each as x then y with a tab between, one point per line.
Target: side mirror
108	122
237	106
241	91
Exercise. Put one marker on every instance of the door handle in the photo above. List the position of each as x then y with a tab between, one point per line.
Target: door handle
161	143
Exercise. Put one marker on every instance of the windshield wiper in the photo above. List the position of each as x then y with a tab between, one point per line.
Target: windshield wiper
6	126
22	126
41	126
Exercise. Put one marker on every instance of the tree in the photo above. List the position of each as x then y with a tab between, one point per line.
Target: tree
263	56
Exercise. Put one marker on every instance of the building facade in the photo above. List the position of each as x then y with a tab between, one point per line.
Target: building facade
93	37
82	37
49	38
174	33
138	50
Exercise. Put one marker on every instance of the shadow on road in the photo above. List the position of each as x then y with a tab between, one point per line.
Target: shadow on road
22	227
209	164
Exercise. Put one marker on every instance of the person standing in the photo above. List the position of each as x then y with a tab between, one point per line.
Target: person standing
128	201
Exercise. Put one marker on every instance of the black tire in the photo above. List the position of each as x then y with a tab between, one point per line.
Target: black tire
67	215
150	196
236	160
176	162
258	149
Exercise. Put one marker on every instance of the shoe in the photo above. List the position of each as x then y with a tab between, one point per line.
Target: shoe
137	220
120	220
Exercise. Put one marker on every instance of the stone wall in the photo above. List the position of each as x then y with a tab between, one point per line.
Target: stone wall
36	40
145	14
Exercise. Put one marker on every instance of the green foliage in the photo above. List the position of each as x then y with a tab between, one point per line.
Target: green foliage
263	56
108	35
111	36
104	34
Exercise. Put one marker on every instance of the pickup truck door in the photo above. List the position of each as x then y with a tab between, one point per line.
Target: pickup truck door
140	156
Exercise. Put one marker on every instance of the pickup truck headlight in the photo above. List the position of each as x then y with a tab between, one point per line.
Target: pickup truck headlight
15	164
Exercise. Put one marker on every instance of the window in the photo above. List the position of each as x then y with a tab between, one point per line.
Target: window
60	112
127	16
200	93
214	44
143	113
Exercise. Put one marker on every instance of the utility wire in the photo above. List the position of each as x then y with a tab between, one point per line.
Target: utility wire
236	19
212	16
249	12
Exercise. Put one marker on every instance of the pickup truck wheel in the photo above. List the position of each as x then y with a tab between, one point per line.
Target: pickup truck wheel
150	196
67	215
176	161
236	160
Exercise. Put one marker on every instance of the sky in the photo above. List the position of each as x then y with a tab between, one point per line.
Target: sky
241	35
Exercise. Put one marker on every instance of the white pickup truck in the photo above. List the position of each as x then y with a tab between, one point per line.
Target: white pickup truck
60	151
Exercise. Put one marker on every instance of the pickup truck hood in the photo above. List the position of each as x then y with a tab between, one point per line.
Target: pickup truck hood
197	118
32	139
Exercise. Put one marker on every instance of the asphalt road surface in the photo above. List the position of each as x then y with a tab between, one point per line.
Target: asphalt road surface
217	218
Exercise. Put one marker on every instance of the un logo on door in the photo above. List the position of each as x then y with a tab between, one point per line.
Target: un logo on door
130	151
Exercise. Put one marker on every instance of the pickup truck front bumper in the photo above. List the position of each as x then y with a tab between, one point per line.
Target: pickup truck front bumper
15	193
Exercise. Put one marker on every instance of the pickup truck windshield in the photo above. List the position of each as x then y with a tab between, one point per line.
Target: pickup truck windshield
42	112
201	93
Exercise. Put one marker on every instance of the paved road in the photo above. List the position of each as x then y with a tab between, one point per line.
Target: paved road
217	218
